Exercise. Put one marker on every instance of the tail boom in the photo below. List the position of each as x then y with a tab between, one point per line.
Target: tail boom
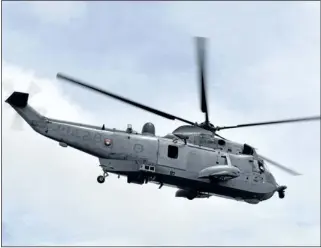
86	138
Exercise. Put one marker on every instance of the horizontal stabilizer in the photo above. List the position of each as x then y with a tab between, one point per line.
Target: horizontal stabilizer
18	99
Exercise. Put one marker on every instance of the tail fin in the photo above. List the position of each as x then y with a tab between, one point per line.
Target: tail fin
18	99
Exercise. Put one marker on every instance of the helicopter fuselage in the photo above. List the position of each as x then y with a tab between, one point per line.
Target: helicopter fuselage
196	170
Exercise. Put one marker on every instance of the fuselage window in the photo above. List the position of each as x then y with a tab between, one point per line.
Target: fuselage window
172	151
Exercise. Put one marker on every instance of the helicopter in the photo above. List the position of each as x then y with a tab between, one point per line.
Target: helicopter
193	158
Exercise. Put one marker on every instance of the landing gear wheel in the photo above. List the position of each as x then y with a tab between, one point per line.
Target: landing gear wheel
100	179
190	197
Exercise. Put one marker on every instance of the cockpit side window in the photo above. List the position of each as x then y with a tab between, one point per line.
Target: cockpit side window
247	150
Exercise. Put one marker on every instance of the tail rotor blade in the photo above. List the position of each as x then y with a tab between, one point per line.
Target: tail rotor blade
42	111
33	89
17	123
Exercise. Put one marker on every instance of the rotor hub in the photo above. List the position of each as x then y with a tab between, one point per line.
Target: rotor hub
207	126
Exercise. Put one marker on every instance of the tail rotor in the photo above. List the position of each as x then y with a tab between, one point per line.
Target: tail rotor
17	122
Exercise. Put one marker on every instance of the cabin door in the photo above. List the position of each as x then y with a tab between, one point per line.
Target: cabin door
172	154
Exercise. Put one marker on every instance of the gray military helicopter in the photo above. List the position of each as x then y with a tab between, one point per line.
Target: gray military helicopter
193	158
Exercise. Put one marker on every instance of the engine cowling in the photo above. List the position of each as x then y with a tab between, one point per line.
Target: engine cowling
148	129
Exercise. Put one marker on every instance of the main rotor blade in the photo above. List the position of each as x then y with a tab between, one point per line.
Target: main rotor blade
200	45
312	118
122	99
282	167
219	136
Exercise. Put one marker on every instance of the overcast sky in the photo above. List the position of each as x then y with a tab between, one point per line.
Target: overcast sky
263	64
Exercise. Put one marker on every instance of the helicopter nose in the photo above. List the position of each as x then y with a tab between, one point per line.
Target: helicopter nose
270	178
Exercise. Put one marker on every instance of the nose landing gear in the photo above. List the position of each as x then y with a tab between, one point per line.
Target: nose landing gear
101	178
